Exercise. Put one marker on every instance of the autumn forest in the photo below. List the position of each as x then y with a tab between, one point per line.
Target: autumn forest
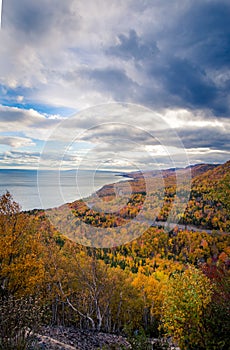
139	281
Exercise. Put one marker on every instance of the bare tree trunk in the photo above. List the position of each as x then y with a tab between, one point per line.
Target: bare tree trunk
54	311
99	317
118	314
87	317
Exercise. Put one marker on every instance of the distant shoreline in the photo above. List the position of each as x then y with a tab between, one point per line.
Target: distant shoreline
55	188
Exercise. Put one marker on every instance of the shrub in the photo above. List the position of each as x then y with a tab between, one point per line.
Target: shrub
20	319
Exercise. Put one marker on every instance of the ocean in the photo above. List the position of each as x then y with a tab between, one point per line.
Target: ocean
45	189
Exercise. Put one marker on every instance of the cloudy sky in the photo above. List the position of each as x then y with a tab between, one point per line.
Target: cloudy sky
114	84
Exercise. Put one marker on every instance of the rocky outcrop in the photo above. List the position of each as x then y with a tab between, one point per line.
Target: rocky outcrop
64	338
60	338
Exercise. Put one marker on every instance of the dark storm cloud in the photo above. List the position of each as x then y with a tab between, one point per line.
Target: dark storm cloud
113	81
34	20
187	85
131	47
204	32
186	62
213	138
201	39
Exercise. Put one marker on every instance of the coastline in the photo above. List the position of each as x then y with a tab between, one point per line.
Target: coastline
53	188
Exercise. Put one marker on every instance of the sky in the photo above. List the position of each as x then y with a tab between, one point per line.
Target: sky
121	85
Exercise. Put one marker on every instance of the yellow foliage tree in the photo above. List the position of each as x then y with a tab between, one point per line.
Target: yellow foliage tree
186	299
21	265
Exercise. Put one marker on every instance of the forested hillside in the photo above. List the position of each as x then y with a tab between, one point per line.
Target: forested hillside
162	283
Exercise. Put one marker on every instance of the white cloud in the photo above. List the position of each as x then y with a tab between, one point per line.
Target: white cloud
20	98
206	151
29	122
16	142
178	118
